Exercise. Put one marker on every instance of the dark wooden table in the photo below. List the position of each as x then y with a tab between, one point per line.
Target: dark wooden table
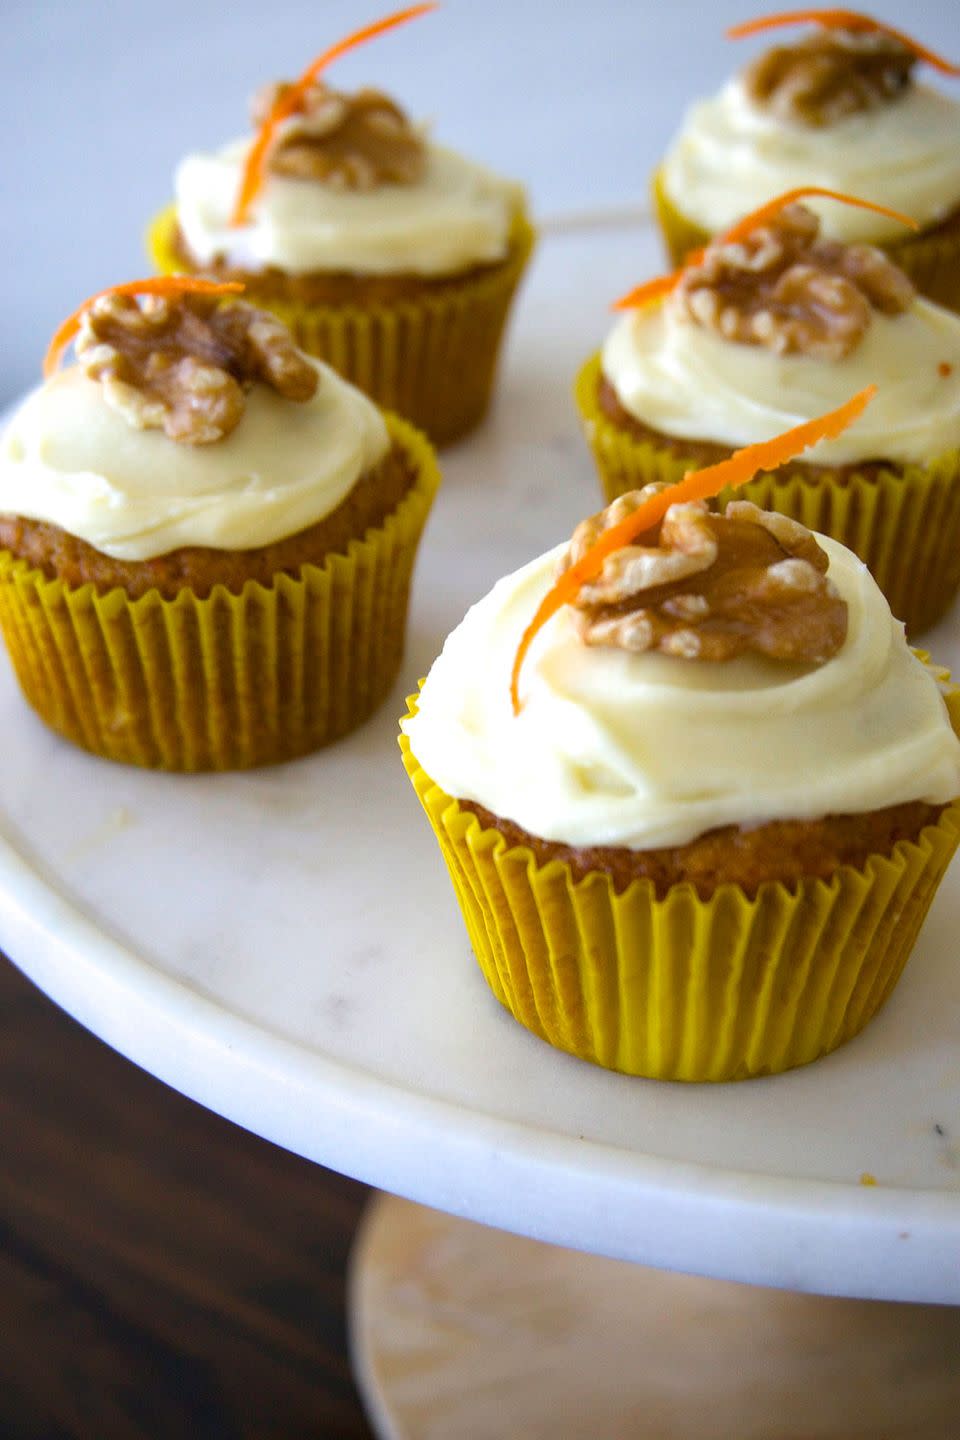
162	1272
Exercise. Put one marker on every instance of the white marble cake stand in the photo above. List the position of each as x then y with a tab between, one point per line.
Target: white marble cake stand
284	947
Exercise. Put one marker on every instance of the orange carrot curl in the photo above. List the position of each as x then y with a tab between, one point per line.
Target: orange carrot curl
842	20
653	289
254	171
663	284
156	285
765	212
695	485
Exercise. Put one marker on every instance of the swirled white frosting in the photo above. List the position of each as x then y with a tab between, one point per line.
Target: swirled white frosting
457	215
685	380
731	157
67	458
646	750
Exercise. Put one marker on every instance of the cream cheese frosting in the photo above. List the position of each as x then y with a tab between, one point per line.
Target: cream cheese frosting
456	216
613	748
687	381
731	157
68	458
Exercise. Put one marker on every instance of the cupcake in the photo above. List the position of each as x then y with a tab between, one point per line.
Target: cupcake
391	258
766	327
839	107
207	536
699	840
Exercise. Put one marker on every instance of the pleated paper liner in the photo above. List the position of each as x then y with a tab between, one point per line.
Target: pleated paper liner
681	988
903	522
431	359
931	258
680	235
233	680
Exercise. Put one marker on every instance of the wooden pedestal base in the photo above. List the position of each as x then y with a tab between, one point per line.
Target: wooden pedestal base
460	1332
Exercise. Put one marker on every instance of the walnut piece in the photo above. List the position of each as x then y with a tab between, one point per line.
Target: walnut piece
786	289
184	364
350	142
710	586
829	75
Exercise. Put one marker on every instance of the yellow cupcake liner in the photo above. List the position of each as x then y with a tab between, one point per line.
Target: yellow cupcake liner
932	262
902	521
680	235
232	680
681	988
930	258
432	359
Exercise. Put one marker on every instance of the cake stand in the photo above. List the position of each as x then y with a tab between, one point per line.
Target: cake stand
284	947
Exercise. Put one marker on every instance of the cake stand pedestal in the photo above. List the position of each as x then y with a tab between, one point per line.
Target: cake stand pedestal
460	1332
284	947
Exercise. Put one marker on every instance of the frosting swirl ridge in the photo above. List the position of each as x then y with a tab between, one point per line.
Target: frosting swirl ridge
644	750
690	382
69	459
730	157
457	215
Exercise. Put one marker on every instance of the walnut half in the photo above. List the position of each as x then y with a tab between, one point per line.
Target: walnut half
350	142
710	586
829	75
784	288
184	364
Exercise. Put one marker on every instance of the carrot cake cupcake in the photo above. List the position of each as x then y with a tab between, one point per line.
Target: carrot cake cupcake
695	837
841	107
207	536
390	257
766	327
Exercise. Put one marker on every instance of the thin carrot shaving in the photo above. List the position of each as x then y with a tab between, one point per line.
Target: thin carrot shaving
254	170
749	222
155	285
663	284
650	290
695	485
842	20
